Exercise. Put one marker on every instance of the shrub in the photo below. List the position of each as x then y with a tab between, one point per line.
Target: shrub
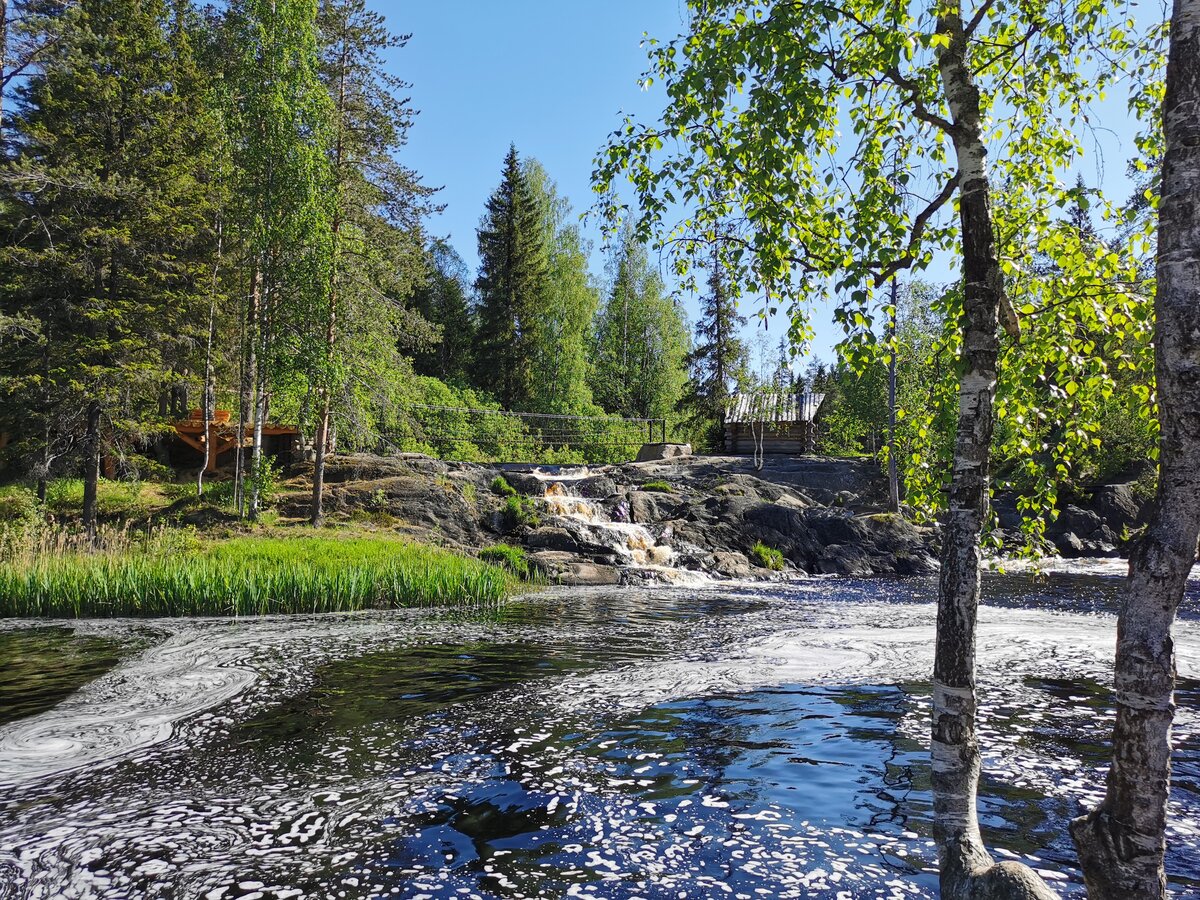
767	557
661	487
520	511
501	486
17	504
267	480
512	558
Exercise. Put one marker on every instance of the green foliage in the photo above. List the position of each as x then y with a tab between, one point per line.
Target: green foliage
17	504
266	480
561	325
767	557
520	512
512	284
106	214
720	359
511	558
445	301
641	340
824	133
661	487
248	576
502	488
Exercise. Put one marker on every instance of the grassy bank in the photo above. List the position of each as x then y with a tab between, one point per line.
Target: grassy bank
240	576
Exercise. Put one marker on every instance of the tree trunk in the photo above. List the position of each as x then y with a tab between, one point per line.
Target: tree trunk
893	472
3	69
1122	842
91	469
208	411
249	384
322	437
967	870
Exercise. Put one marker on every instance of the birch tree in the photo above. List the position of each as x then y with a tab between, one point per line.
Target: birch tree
805	119
280	122
1122	841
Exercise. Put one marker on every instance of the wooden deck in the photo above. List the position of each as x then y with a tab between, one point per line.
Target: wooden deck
222	435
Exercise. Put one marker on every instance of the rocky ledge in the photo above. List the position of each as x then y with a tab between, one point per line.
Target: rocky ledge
653	519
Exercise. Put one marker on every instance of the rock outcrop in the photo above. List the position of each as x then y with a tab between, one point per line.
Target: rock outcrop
641	520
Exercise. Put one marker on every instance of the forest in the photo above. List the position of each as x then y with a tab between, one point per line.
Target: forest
207	218
209	210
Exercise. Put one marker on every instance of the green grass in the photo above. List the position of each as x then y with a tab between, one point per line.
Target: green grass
767	557
512	558
249	576
661	487
64	496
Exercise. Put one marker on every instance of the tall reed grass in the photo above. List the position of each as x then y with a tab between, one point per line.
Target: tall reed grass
244	576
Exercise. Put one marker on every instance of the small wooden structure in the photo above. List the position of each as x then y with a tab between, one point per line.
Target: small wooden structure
280	441
781	423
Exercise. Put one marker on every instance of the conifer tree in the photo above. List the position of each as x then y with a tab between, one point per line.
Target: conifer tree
512	283
107	228
374	223
718	360
444	301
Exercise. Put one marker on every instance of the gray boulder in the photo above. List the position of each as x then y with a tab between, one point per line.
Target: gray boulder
657	452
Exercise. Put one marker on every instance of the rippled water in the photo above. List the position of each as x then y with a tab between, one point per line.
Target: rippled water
607	743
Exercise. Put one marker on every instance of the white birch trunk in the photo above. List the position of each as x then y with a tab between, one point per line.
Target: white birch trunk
967	870
1122	842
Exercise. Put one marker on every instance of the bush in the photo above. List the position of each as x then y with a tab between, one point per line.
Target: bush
17	504
512	558
767	557
520	511
660	487
501	487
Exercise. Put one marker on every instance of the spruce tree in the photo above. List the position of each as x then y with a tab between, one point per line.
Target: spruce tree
444	300
512	283
719	359
107	229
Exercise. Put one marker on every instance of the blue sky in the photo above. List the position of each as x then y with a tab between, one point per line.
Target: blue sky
554	77
551	76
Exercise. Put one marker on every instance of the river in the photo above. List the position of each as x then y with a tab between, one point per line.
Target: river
722	741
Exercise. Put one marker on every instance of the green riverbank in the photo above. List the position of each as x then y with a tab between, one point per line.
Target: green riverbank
179	574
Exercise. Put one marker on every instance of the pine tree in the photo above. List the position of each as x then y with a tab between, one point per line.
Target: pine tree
512	283
719	359
107	228
375	235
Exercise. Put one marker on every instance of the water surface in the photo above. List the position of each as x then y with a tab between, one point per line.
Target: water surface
672	742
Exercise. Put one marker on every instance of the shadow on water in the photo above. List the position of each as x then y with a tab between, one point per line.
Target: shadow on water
41	666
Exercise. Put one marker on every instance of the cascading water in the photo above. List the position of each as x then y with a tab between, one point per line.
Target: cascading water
634	545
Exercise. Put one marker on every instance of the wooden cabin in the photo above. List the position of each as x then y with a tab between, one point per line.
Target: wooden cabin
785	422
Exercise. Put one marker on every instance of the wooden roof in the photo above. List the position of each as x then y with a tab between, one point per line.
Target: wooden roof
776	408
